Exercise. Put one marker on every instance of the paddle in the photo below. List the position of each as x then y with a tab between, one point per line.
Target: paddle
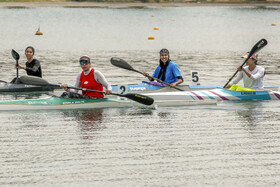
258	46
16	57
123	64
42	82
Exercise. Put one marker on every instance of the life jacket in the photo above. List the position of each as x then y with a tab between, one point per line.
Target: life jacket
89	82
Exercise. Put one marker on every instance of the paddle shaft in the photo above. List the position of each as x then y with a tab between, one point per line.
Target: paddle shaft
135	97
236	71
84	89
162	82
17	68
258	46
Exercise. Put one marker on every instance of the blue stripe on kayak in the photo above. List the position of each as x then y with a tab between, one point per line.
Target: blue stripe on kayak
190	95
207	95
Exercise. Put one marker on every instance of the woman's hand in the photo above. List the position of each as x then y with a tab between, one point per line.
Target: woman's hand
240	68
20	66
65	86
173	84
147	75
228	86
108	92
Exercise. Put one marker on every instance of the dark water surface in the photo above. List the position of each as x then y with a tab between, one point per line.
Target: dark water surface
228	144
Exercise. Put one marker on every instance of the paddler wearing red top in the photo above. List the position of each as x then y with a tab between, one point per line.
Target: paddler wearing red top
91	79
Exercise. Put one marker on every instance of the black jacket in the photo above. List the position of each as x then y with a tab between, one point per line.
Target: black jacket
34	68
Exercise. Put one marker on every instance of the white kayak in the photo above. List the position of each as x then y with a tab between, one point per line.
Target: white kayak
216	94
154	87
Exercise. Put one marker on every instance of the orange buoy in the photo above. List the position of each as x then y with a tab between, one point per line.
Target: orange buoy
273	24
38	32
151	38
153	15
156	28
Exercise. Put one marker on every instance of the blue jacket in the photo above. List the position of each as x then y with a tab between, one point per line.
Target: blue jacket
172	73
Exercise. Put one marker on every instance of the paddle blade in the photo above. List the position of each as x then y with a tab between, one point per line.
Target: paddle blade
15	55
258	46
121	63
139	98
32	80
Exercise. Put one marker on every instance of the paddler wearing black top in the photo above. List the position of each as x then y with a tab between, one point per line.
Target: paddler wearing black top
32	66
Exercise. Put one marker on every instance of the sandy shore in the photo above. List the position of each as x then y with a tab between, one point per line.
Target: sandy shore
123	5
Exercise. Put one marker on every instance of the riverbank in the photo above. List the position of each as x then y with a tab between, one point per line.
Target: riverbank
134	4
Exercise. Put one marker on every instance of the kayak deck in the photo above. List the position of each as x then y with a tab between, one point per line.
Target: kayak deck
11	87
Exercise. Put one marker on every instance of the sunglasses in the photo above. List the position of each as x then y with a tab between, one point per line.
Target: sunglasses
84	63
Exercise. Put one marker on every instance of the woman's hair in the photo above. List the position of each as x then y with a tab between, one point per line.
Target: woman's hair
30	47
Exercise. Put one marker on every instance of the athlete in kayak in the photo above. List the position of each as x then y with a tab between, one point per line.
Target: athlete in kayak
89	78
32	66
252	75
167	70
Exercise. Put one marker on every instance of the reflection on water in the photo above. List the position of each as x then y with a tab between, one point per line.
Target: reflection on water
252	113
89	121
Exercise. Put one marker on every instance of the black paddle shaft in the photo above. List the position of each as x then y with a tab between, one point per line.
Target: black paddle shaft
133	96
258	46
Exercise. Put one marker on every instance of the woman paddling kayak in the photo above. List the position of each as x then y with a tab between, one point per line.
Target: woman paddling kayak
252	75
32	66
167	70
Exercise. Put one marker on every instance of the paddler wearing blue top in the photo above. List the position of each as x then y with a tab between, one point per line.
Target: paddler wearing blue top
167	70
32	66
89	78
252	75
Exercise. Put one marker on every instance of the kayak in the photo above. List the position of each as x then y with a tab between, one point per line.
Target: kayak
218	94
53	102
182	98
58	103
151	87
12	87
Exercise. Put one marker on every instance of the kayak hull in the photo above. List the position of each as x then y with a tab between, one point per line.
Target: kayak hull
52	103
216	94
148	87
57	103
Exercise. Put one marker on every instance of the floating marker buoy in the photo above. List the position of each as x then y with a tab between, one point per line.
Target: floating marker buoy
273	24
173	19
151	38
39	32
153	15
156	28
